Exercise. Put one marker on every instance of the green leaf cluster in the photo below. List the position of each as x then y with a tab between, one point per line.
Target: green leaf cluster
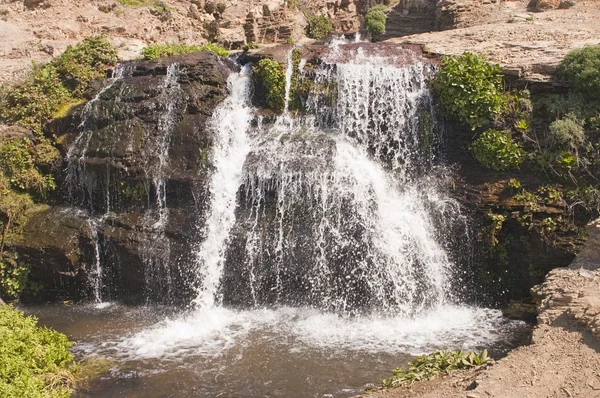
155	51
375	20
470	89
34	362
319	26
215	48
269	75
581	69
34	101
496	150
429	366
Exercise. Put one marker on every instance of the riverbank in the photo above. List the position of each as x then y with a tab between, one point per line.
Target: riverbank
563	359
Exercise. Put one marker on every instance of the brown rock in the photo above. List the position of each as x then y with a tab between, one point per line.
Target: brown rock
543	5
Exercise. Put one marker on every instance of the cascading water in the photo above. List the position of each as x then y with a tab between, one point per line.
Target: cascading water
78	187
156	251
324	239
230	123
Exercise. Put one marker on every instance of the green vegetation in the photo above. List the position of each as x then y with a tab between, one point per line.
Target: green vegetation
269	78
375	19
470	89
427	367
581	69
34	361
155	51
496	150
319	27
214	48
27	159
34	101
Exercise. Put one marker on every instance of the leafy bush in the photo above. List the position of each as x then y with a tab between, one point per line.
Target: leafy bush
84	62
34	361
375	19
215	48
319	26
221	7
271	76
496	150
155	51
13	276
566	132
581	68
36	100
470	89
427	367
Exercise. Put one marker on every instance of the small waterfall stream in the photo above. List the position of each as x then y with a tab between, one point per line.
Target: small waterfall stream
325	245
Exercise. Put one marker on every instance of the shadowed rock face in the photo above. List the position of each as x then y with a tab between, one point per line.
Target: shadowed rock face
132	189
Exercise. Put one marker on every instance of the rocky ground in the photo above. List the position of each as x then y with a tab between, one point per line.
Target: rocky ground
563	359
526	43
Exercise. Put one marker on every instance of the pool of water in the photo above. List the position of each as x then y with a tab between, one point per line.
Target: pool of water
283	352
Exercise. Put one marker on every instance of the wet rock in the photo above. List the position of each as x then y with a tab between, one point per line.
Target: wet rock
117	188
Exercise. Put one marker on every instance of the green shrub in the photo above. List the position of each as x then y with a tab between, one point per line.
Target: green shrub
78	65
319	26
496	150
375	19
470	89
34	361
155	51
13	275
215	48
427	367
221	7
34	101
271	76
566	132
581	69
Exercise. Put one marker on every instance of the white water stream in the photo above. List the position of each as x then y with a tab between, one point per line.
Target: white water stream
324	238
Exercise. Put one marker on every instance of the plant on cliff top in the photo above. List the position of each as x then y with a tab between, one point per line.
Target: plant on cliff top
34	361
375	20
155	51
470	89
581	68
270	74
429	366
215	48
319	26
34	101
496	150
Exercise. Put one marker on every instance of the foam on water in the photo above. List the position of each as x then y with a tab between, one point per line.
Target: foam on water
209	332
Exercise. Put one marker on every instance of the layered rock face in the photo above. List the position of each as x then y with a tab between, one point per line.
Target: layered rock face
133	185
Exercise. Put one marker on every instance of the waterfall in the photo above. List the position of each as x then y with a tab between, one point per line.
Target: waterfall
338	211
326	232
156	250
75	179
230	123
